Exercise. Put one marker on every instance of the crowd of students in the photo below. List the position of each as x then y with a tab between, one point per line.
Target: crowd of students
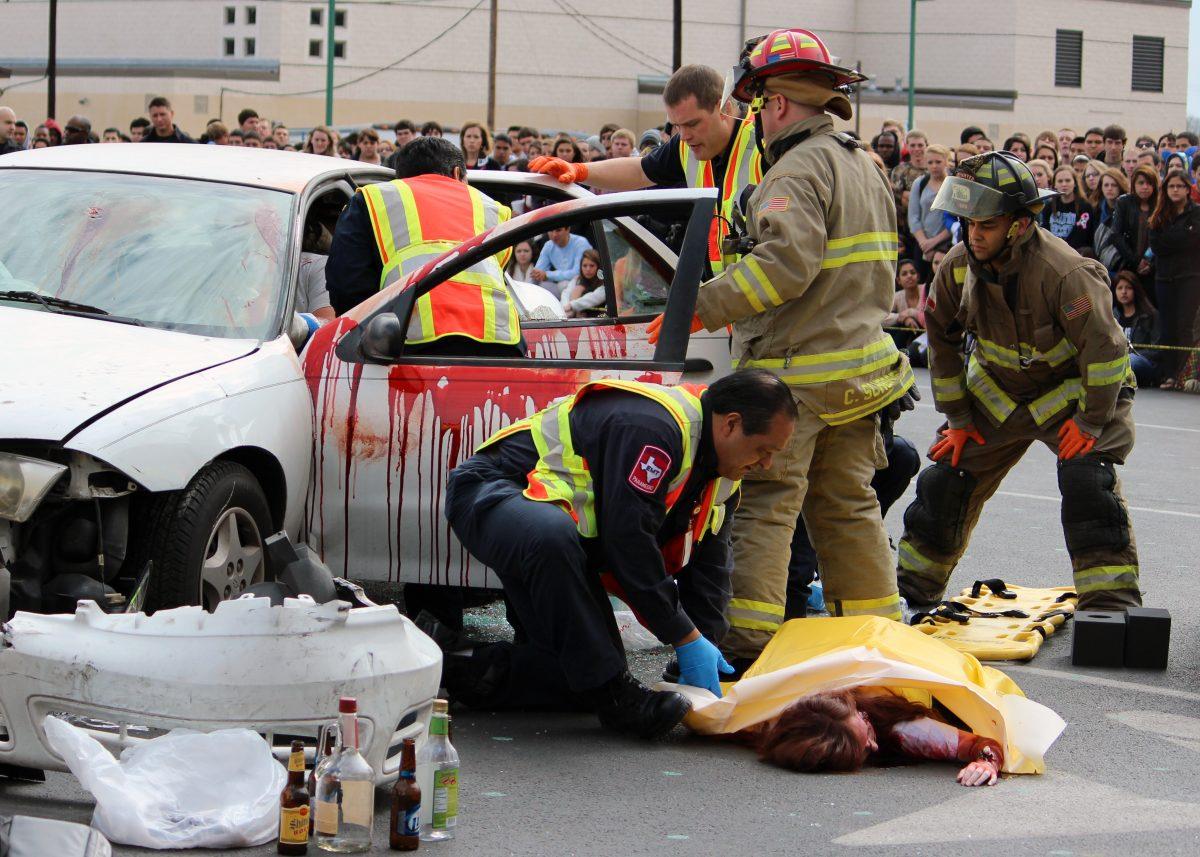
1135	208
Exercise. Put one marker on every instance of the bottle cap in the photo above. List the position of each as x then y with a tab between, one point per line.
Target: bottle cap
441	706
347	705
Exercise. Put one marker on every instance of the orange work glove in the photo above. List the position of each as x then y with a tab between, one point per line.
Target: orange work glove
1073	441
560	169
655	327
954	440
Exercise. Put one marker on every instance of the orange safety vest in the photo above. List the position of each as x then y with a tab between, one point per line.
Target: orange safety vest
744	169
419	218
561	475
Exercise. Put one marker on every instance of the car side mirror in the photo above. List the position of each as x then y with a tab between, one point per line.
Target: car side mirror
384	337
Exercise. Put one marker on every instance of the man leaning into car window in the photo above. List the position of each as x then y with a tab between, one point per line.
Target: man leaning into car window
393	228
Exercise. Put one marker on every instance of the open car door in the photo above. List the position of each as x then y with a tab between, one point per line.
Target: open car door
390	425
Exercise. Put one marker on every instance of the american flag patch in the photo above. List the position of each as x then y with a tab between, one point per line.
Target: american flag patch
775	203
1081	306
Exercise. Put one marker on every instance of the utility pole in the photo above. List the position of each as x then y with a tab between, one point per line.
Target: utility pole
491	98
52	60
912	59
329	63
677	59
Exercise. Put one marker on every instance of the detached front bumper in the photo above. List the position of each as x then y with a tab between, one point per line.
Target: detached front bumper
278	670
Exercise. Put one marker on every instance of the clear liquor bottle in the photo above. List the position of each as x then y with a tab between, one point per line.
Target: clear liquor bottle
345	791
438	764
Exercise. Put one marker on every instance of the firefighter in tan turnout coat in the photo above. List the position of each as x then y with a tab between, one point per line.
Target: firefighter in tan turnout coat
808	303
1049	364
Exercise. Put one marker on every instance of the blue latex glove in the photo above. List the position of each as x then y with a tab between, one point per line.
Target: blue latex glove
699	663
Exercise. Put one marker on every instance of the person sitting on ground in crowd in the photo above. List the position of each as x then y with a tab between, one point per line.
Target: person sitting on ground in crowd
1137	317
1068	215
908	306
585	292
1174	250
559	260
520	266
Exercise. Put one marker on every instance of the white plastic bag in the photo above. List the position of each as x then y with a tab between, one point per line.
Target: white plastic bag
184	789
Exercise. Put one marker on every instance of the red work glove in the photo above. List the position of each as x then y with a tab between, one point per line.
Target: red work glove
954	440
560	169
655	327
1073	441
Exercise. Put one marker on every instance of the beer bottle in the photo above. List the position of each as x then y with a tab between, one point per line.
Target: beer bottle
293	806
405	831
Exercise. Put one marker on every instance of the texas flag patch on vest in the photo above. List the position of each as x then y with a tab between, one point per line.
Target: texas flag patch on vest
648	472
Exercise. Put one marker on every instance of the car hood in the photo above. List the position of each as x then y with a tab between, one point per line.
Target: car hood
67	370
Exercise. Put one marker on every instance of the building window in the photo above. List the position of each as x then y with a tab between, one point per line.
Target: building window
1068	58
339	17
314	47
229	47
1147	64
339	50
251	14
248	47
230	15
316	17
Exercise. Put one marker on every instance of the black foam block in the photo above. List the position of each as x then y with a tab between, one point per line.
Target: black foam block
1098	638
1147	637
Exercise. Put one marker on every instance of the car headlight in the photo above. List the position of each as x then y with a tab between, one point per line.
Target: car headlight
23	483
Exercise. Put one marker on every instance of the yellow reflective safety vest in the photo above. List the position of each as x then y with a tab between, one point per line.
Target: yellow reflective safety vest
417	219
1059	351
743	169
809	301
561	475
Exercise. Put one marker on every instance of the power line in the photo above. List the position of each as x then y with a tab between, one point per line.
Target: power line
23	83
369	74
649	57
588	24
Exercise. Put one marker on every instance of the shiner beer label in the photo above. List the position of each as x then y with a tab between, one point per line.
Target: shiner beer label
293	825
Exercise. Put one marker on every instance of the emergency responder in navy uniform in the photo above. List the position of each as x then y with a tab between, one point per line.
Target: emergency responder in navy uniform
1050	364
624	481
390	229
711	147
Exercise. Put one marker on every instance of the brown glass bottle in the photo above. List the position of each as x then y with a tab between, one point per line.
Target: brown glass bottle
404	833
324	751
294	807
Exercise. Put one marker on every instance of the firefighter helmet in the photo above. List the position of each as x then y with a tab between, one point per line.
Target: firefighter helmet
989	185
787	52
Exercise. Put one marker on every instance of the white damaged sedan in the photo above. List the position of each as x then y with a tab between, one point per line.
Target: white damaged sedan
152	406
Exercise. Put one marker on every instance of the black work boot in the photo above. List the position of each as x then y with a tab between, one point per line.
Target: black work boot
625	705
447	638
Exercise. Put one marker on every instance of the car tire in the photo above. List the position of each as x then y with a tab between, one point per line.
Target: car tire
206	541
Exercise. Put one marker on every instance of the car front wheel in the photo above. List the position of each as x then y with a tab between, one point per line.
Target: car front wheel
206	541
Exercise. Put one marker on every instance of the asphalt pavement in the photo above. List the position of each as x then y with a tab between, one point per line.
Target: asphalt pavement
1119	780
